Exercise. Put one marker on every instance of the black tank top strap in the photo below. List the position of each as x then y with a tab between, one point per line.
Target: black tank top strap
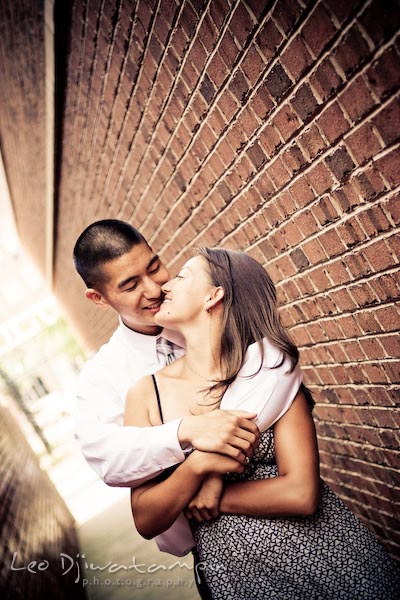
158	397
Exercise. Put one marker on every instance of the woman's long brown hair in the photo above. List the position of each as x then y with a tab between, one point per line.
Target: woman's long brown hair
250	311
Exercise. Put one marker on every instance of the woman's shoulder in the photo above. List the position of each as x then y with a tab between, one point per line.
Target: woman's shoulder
138	403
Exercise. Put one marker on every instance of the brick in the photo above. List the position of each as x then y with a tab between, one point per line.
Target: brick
357	264
218	11
228	50
268	40
286	13
324	211
392	208
357	99
391	345
332	123
340	8
294	159
241	24
340	163
380	20
312	142
363	143
318	30
269	140
228	106
314	251
363	294
265	186
319	178
248	121
296	58
286	121
343	300
351	233
388	318
325	80
331	243
252	66
261	103
207	90
352	51
387	122
207	33
388	166
374	221
277	82
217	71
301	192
369	183
299	259
286	204
256	155
278	173
239	87
382	75
304	102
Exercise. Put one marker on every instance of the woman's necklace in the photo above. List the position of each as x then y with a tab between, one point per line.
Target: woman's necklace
199	374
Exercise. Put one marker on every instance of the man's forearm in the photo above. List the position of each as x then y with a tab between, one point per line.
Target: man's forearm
129	456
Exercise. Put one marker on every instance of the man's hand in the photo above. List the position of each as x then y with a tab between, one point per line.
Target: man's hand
230	432
205	504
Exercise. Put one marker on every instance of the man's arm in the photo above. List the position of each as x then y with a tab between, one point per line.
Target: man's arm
129	456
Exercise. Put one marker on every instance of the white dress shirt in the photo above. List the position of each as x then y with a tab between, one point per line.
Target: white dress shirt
128	456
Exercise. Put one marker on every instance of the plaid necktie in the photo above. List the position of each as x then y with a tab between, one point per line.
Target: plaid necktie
165	351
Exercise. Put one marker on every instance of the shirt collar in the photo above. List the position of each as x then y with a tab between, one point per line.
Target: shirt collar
143	341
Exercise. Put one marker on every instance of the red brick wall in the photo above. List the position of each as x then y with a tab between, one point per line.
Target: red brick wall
22	117
35	524
272	127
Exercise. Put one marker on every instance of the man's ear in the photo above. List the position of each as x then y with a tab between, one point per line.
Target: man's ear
96	297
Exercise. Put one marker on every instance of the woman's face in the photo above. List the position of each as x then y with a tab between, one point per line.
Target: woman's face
186	294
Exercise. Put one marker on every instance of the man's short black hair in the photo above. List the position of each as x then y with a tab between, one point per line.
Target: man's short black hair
100	242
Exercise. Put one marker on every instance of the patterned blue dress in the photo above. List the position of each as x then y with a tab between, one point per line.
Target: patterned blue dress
327	556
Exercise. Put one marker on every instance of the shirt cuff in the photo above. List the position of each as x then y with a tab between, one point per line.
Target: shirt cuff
170	442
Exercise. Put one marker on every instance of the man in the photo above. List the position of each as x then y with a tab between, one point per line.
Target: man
121	271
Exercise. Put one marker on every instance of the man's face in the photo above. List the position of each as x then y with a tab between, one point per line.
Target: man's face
133	287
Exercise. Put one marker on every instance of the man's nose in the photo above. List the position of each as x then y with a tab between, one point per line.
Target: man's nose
152	289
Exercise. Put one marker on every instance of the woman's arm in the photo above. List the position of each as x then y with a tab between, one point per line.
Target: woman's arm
296	489
156	505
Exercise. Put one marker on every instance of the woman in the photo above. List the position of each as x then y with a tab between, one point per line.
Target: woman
280	533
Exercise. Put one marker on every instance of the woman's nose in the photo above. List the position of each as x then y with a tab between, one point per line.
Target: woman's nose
166	287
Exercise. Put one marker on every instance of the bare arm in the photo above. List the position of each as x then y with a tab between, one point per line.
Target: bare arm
296	490
156	505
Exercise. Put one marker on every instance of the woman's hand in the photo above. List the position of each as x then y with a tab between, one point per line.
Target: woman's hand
205	504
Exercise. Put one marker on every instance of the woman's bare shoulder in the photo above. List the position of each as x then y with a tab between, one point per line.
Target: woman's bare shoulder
138	402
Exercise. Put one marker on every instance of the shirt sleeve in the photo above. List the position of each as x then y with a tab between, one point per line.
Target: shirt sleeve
121	456
269	392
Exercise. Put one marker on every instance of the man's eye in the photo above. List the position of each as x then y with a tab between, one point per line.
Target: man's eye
130	289
157	268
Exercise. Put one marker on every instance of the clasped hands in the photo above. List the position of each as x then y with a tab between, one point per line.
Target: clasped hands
224	442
